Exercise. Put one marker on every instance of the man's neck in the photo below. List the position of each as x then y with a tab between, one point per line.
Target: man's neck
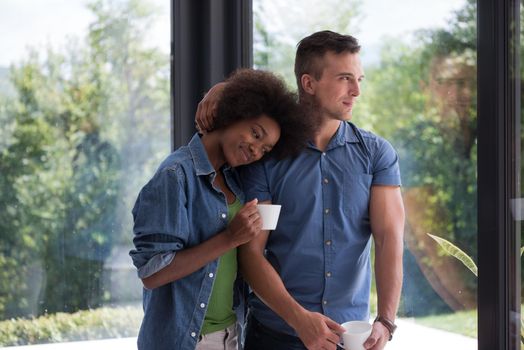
325	133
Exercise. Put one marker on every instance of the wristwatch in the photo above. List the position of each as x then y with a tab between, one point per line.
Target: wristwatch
390	326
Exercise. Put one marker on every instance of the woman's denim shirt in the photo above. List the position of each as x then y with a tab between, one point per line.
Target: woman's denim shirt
177	209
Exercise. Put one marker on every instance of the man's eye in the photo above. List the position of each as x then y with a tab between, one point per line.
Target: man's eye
255	134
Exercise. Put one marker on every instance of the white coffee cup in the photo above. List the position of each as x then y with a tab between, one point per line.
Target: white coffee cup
356	334
269	214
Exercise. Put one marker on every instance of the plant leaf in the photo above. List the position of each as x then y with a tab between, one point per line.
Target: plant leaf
456	252
521	327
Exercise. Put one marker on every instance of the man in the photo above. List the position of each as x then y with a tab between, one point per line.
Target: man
313	271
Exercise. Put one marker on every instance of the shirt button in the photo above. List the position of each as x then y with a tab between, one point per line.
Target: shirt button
223	215
324	154
326	181
324	302
328	242
211	275
326	210
328	274
193	334
202	305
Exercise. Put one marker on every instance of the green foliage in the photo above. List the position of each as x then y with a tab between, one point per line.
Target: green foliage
62	327
75	121
277	31
460	322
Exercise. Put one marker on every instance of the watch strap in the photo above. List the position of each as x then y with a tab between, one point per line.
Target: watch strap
390	325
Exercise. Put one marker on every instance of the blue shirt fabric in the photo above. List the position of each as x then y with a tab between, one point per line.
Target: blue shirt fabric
321	245
177	209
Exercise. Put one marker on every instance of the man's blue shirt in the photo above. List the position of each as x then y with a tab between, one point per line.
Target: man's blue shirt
321	245
177	209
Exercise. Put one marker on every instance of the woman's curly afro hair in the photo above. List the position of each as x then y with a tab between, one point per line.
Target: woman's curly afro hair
249	93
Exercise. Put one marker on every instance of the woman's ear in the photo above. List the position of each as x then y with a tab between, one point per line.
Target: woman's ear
308	85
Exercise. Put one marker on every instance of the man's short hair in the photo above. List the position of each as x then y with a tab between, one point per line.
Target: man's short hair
312	49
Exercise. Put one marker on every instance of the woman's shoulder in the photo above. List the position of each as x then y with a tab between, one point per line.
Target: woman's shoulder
177	163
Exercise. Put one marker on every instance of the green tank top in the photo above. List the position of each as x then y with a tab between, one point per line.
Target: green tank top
220	313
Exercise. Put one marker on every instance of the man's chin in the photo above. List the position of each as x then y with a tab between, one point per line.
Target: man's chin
341	116
346	117
349	115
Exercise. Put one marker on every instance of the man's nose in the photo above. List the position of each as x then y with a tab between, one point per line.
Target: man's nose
355	89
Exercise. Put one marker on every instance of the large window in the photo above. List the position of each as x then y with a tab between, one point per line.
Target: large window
84	115
419	93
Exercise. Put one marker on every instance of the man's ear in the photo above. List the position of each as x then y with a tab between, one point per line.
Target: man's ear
308	84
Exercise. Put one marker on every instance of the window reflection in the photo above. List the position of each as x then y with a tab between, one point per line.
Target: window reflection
443	202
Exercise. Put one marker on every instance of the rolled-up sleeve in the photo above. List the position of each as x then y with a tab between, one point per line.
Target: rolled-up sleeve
386	169
254	181
161	225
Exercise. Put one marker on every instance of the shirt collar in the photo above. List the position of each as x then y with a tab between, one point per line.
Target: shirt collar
198	152
345	134
202	164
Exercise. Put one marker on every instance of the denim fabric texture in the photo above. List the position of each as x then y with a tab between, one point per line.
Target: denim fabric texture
177	209
321	245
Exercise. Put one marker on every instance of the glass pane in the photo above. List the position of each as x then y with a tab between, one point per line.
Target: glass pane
420	94
84	109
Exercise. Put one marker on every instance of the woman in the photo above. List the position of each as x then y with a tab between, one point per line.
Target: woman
190	217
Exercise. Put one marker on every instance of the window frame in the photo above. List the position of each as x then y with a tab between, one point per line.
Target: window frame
498	173
209	40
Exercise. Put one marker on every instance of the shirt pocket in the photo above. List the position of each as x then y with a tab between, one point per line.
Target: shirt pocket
356	193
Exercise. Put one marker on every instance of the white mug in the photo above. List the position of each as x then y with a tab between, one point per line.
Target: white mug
356	334
269	214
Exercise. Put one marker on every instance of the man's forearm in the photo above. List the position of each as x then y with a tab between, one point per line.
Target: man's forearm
387	224
268	286
388	274
314	329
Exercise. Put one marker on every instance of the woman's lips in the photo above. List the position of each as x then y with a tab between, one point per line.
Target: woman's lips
245	154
